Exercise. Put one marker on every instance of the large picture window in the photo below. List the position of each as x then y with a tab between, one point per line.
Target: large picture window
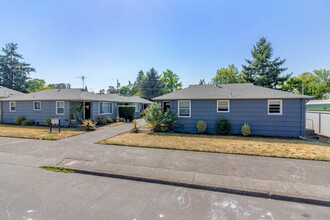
105	107
223	106
60	107
12	106
274	107
184	108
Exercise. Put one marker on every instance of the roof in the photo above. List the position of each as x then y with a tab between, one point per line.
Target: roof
318	102
229	91
74	95
6	92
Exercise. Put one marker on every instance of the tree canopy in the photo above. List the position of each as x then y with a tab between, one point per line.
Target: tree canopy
61	85
151	85
36	85
13	72
228	75
262	70
125	90
171	81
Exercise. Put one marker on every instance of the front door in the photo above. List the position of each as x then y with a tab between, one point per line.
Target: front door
88	108
166	106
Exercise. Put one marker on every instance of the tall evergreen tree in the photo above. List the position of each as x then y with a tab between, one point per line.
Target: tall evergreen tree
13	72
136	88
263	71
171	81
152	85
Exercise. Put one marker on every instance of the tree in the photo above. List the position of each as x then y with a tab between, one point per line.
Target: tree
151	85
61	85
124	90
13	72
263	71
171	81
102	91
36	85
136	88
228	75
112	90
315	83
202	82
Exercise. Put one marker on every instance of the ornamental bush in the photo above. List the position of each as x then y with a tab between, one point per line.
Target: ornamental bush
201	126
19	120
246	131
159	120
101	120
223	126
47	121
88	125
127	112
27	122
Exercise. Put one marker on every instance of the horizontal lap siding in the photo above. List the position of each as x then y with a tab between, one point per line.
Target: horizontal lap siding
253	112
25	109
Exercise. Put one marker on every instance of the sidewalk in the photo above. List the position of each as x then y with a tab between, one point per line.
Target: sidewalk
287	177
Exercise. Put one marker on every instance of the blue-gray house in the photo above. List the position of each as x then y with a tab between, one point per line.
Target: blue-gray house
268	111
56	103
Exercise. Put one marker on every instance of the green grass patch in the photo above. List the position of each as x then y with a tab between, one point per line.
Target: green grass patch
59	169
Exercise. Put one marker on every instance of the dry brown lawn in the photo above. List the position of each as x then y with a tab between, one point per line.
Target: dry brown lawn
270	147
115	124
35	132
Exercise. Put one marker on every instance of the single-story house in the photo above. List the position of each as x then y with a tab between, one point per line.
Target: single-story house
268	111
6	92
318	105
56	103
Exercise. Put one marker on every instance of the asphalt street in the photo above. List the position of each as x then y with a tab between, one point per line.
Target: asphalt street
34	193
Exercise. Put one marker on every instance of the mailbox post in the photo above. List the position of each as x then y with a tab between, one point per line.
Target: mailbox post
55	121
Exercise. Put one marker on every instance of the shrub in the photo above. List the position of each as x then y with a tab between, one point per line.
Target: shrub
246	131
19	120
88	125
201	126
101	120
48	121
135	128
159	120
27	122
75	111
109	120
127	112
223	126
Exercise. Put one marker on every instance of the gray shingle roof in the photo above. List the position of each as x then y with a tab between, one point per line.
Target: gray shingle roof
74	95
5	92
229	91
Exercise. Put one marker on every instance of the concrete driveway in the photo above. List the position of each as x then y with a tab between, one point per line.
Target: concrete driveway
289	177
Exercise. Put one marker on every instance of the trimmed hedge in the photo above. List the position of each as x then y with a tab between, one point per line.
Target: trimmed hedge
127	112
223	126
27	122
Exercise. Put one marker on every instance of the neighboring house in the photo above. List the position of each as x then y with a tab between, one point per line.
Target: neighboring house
326	96
268	111
56	103
318	105
5	93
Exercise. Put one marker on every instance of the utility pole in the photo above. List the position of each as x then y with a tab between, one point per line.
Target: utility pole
118	85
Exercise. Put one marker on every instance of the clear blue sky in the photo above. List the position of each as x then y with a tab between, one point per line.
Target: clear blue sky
106	40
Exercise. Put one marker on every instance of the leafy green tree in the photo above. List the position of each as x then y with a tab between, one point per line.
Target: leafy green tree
263	71
36	85
136	88
202	82
102	91
152	85
13	72
112	90
124	90
228	75
171	81
61	85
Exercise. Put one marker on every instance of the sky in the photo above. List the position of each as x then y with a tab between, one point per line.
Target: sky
108	40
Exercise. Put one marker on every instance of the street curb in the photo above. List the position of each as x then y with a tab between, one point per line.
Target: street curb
205	187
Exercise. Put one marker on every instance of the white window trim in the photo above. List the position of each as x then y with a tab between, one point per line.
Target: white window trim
281	107
189	108
228	106
111	109
10	107
57	108
34	106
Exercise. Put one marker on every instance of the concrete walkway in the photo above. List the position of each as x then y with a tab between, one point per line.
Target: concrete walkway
287	177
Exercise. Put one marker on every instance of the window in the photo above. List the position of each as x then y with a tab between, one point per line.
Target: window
136	107
105	107
223	105
184	108
36	106
60	107
12	106
274	107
